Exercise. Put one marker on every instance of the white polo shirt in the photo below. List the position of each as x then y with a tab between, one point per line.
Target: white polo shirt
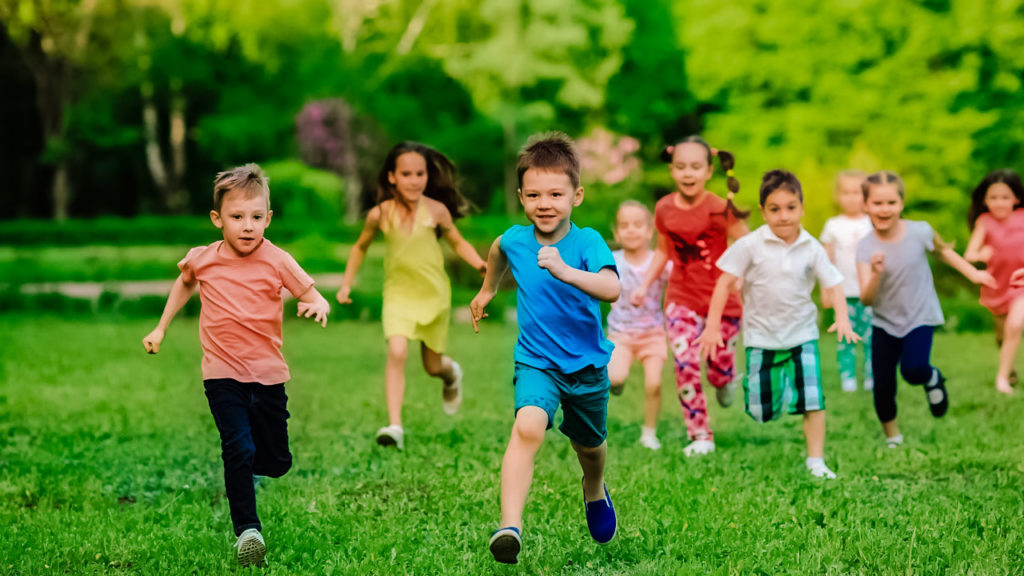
778	313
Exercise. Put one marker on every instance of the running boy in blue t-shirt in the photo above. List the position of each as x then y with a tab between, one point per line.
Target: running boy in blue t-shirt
561	356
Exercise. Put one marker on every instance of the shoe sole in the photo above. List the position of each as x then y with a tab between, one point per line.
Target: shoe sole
252	552
938	408
505	548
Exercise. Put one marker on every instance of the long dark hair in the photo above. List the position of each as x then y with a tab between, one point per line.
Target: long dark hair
725	159
1005	176
441	177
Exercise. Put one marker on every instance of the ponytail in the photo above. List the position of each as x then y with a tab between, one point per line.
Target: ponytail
725	159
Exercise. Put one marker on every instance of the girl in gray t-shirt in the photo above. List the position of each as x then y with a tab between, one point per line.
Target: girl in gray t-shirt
892	267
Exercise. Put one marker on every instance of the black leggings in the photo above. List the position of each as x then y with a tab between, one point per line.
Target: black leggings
912	353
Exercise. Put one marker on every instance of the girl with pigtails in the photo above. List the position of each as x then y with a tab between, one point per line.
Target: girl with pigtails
694	228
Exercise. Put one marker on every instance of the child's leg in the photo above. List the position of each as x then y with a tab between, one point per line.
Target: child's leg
885	355
722	370
1011	332
915	361
230	402
437	365
684	326
517	465
394	377
592	462
622	359
846	352
653	367
863	328
814	432
269	419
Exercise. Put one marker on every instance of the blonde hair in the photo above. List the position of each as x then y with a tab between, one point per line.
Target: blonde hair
859	175
249	178
633	204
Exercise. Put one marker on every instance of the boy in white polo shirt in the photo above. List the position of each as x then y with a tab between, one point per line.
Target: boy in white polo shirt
778	264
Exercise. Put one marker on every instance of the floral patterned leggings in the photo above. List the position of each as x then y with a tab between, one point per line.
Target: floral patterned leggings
684	327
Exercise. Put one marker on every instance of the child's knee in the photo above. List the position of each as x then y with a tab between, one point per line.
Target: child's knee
916	373
238	449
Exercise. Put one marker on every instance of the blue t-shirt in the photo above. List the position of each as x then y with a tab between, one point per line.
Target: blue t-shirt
559	325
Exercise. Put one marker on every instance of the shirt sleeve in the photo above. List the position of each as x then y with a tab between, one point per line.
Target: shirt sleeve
926	234
736	258
827	273
293	276
596	253
188	273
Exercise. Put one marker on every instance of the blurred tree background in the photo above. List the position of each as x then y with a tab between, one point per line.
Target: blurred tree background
129	107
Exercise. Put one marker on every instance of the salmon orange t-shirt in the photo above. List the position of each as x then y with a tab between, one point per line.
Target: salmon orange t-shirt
240	319
696	237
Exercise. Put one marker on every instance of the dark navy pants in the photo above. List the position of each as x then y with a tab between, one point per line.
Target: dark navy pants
253	422
913	355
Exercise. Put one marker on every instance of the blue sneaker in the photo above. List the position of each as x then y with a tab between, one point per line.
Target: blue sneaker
601	518
506	544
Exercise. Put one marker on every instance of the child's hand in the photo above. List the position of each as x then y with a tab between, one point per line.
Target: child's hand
318	310
636	298
482	269
152	340
1017	278
710	341
549	259
983	277
878	262
476	308
343	295
843	330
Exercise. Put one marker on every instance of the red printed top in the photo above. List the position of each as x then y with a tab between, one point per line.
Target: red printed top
1007	241
240	319
696	237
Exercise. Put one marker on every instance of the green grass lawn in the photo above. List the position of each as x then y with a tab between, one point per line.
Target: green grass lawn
109	463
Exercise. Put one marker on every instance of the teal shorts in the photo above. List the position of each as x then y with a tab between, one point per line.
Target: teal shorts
780	381
583	396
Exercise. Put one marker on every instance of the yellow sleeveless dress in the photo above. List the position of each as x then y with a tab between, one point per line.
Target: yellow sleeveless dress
417	292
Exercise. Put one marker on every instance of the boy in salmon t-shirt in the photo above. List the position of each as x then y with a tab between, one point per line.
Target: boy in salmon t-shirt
240	280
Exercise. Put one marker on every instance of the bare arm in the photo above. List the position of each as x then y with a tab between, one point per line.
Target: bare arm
311	303
603	284
658	262
946	253
464	249
180	293
737	230
841	326
869	274
976	249
497	265
358	253
711	338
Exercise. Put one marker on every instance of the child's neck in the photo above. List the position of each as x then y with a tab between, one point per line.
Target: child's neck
684	201
637	255
854	215
893	233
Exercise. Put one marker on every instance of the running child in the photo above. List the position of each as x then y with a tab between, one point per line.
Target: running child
694	228
997	239
417	203
778	264
840	237
895	279
638	331
563	273
240	280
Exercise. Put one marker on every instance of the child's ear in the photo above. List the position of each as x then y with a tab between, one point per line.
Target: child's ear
391	178
215	218
270	214
577	198
519	194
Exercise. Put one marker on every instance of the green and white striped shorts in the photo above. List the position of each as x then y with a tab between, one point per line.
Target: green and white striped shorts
779	380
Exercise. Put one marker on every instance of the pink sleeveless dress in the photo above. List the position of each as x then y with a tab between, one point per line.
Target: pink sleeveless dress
1007	241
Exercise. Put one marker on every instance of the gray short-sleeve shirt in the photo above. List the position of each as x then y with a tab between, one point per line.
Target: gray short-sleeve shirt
906	297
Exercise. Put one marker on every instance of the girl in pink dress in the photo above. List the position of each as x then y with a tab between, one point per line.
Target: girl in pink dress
997	239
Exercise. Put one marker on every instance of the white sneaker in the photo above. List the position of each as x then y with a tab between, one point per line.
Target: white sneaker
820	470
451	394
391	436
250	549
894	441
699	447
727	394
850	384
869	383
650	441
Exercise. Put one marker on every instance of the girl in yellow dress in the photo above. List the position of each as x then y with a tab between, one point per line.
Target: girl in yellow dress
417	203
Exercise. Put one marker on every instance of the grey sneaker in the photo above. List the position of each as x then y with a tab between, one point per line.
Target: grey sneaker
250	548
727	394
391	436
451	394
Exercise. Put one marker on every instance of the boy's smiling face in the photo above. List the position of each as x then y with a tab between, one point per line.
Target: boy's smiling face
242	220
548	198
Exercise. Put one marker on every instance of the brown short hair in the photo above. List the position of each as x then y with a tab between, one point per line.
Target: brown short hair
249	178
883	177
780	180
550	150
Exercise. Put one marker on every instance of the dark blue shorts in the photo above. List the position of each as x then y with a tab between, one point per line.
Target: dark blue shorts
583	396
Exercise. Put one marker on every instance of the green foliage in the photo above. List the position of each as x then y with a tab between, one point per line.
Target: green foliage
300	192
111	464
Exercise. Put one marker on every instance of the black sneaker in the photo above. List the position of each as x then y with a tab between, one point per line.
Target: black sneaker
938	398
505	545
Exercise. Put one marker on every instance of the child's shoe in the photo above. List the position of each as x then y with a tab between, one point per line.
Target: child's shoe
600	517
1004	386
391	436
894	441
451	394
869	383
938	398
699	447
650	440
850	384
616	389
250	549
819	469
727	394
505	545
